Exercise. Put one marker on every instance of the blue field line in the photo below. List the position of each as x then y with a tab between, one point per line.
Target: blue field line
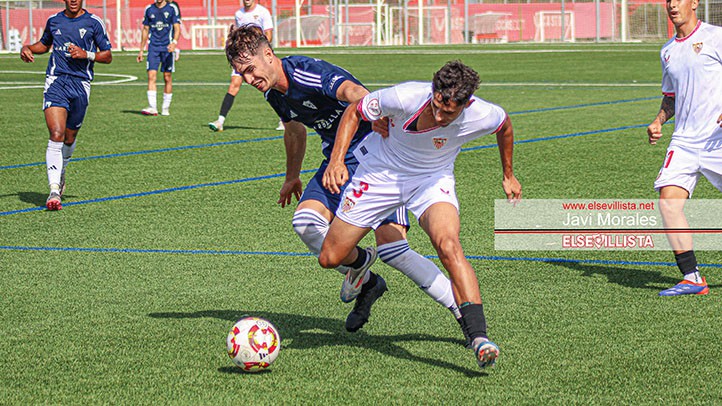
557	137
576	106
308	254
151	151
155	192
216	144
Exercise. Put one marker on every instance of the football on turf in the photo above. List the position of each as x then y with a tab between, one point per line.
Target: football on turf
253	343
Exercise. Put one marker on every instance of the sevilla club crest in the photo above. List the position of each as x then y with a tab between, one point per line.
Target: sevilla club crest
697	47
439	142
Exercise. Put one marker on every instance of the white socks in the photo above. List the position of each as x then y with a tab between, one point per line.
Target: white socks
693	277
151	99
312	228
67	154
54	161
222	119
422	271
167	97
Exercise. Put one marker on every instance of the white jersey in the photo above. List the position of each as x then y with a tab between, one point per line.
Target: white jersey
692	74
421	152
259	16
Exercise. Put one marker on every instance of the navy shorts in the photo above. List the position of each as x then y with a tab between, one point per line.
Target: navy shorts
160	56
69	92
315	191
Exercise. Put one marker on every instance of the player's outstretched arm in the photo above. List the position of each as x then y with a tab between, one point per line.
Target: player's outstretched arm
505	141
336	173
666	111
28	51
294	139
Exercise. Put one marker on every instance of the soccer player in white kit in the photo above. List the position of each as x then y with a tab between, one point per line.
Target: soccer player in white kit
255	14
692	89
414	166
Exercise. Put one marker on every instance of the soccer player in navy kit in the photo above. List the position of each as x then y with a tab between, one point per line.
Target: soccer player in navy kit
161	29
79	39
314	93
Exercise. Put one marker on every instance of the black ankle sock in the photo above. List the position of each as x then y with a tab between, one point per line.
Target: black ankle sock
473	320
227	104
686	262
360	260
371	283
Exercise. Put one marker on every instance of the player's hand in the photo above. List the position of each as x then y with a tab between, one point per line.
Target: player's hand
27	55
77	52
334	177
654	131
512	189
171	47
139	58
290	188
381	126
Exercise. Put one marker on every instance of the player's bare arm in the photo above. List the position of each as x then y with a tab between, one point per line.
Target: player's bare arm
350	92
294	139
28	51
176	35
666	111
269	35
336	173
77	52
505	141
143	41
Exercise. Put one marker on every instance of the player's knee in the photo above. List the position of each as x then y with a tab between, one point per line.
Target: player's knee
449	249
311	227
671	207
327	259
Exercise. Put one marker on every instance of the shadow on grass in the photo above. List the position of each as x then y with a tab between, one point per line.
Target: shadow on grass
628	277
34	198
248	127
313	332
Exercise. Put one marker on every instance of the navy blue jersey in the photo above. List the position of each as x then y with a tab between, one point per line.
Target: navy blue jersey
160	23
87	31
311	100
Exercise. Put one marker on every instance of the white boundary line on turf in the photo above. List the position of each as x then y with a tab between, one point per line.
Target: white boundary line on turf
25	85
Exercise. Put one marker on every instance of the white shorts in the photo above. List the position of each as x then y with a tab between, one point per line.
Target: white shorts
374	195
682	166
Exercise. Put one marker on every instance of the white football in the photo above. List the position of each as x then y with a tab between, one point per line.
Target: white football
253	343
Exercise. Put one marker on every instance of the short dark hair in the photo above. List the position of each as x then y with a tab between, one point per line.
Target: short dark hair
455	82
244	42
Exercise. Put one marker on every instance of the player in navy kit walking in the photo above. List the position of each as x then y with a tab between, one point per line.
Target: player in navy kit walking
78	39
161	29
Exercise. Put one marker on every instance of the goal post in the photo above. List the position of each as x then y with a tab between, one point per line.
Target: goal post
549	26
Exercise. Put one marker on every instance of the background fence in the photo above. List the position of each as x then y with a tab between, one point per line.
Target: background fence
374	22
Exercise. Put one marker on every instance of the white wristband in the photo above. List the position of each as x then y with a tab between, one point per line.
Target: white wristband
91	55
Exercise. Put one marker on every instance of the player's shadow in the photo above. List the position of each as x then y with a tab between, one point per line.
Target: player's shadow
34	198
628	277
245	127
136	112
307	332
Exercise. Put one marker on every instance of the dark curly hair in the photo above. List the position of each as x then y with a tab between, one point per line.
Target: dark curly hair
244	42
455	82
